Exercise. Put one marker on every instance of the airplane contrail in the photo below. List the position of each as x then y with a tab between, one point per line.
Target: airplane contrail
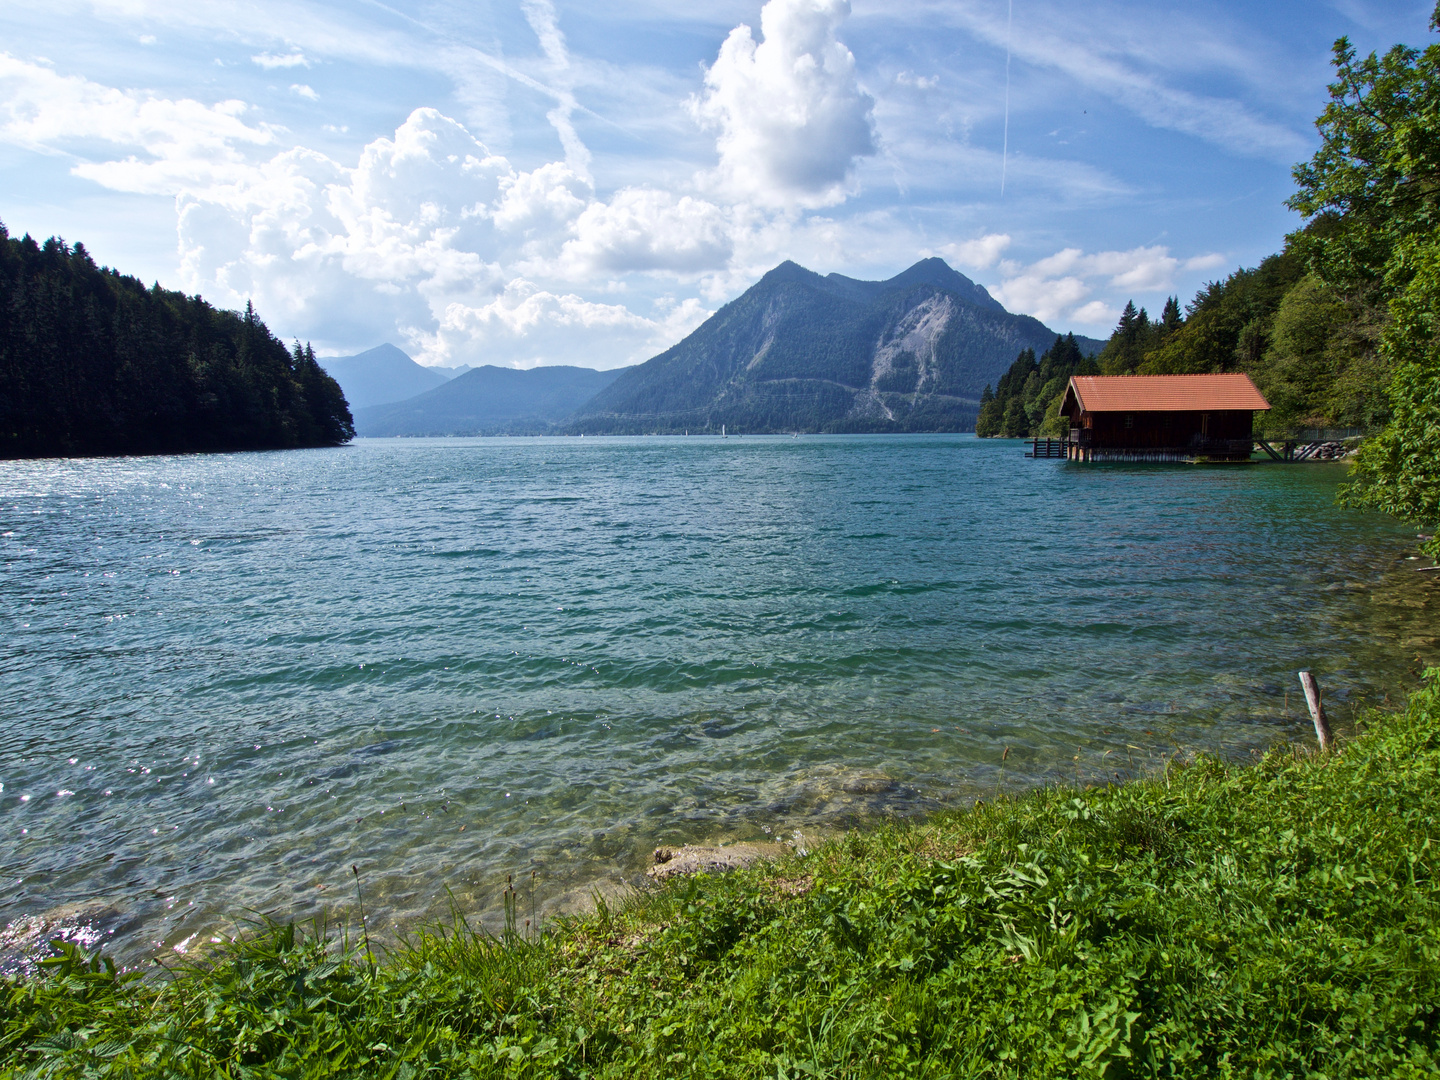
1005	152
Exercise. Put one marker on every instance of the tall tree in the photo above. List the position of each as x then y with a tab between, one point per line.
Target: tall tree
1376	177
1026	402
1127	346
1130	320
1374	186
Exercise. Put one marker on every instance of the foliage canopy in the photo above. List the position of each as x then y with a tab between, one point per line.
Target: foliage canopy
93	362
1026	401
1373	187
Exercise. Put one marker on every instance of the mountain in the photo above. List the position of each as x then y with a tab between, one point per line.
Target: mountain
489	401
381	375
798	351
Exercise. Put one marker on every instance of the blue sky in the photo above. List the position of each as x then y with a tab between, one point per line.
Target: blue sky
536	181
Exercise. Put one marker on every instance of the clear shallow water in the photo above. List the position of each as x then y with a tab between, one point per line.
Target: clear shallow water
224	680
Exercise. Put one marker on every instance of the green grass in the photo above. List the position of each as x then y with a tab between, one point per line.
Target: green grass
1280	919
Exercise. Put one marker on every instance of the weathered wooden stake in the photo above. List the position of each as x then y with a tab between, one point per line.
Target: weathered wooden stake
1317	708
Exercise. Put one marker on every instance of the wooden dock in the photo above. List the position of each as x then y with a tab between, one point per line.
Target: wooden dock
1206	449
1049	448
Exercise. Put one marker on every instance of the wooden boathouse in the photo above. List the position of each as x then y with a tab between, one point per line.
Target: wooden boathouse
1161	417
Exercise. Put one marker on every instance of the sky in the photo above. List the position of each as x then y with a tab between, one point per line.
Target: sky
526	182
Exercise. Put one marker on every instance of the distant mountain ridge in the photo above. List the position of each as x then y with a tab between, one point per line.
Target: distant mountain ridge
488	400
933	271
798	351
381	375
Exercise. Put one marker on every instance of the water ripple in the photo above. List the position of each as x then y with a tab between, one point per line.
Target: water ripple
228	678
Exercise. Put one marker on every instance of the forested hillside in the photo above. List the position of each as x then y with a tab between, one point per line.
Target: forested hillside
382	375
489	400
1026	401
1312	347
93	362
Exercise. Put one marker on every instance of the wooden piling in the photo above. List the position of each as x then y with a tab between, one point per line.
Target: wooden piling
1317	708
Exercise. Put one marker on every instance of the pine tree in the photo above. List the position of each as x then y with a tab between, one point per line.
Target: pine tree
1129	320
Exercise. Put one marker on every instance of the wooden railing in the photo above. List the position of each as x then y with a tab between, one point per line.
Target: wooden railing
1049	448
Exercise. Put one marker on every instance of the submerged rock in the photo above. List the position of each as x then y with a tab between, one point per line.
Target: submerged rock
702	859
869	785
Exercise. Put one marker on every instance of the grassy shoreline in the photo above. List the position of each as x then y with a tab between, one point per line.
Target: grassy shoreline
1274	919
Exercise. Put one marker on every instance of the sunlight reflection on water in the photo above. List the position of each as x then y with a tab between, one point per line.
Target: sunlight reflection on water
229	678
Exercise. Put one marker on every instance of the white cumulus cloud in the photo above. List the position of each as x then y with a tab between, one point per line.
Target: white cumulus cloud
536	206
643	229
527	326
791	115
979	254
427	233
1096	313
1044	296
1063	285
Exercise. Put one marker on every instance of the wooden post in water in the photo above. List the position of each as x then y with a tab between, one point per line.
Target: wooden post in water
1317	708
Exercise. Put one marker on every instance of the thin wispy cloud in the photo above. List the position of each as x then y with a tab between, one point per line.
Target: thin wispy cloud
517	182
1103	56
183	141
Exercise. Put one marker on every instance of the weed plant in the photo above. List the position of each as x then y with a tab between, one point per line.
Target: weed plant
1275	920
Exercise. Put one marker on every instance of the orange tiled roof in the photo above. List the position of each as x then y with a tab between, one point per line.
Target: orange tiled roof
1166	393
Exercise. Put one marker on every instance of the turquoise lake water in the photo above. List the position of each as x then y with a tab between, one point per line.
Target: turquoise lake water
227	679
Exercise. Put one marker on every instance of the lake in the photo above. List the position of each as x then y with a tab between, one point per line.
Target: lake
227	679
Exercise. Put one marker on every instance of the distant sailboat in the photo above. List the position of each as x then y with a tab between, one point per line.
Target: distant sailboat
722	432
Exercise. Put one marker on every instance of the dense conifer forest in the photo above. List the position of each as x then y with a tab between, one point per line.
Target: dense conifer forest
93	362
1026	401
